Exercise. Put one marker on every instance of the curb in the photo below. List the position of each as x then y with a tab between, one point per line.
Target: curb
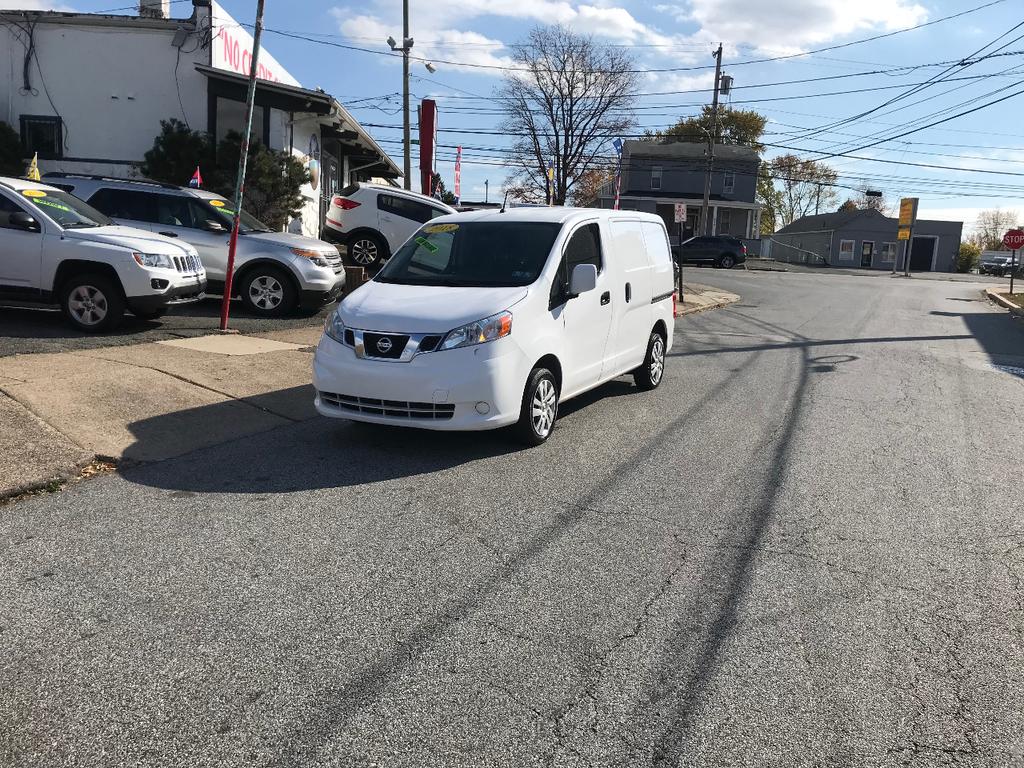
61	479
681	310
992	295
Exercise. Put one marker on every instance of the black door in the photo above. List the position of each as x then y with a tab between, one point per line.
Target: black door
867	250
921	254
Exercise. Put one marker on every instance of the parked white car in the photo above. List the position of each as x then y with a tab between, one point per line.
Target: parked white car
56	249
372	220
491	318
274	271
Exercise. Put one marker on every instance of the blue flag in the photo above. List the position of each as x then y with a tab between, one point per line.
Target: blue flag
618	147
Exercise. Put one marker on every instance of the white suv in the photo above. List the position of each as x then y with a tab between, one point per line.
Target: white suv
373	220
274	271
56	249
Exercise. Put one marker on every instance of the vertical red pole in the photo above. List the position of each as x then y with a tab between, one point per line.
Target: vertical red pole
242	161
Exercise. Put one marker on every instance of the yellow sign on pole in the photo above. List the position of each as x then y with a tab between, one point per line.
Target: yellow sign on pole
908	212
903	234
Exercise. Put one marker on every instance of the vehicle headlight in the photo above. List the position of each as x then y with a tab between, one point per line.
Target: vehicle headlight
478	332
161	260
316	257
334	328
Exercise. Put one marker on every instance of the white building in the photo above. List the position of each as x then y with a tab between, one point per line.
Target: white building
88	92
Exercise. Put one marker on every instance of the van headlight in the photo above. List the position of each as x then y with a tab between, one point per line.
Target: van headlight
334	328
159	260
316	257
478	332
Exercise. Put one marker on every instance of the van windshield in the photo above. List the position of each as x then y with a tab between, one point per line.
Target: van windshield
475	253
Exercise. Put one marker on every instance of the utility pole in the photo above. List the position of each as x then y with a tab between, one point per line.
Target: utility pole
242	162
705	220
406	45
817	200
487	183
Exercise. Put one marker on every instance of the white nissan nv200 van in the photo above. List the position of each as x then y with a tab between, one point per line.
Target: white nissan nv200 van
492	318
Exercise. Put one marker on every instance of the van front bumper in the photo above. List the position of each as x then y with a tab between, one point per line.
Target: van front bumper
435	390
179	294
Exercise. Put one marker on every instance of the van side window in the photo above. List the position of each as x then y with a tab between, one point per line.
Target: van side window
125	204
584	247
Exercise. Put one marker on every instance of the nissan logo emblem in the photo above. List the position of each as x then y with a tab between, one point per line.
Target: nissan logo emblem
384	345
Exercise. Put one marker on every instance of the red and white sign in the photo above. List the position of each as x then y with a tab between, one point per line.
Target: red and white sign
680	213
232	50
1014	239
458	174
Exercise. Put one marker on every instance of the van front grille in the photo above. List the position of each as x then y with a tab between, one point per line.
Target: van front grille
401	409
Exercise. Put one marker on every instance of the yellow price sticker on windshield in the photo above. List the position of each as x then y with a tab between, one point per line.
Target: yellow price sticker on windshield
33	193
435	228
217	203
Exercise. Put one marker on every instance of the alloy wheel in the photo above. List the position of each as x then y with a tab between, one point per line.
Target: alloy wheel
545	402
88	304
364	252
657	360
266	292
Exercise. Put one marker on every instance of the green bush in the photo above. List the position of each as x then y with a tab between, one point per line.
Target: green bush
968	257
272	180
12	161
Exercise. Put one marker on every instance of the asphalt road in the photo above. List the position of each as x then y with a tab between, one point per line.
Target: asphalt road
27	329
805	549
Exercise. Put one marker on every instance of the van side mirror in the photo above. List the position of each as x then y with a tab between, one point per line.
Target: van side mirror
584	278
211	225
24	221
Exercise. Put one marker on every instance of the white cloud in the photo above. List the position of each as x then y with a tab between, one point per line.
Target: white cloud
792	25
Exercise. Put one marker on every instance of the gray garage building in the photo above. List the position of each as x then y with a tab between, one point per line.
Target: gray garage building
867	239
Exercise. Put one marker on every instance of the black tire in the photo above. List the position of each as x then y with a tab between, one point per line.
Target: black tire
529	430
92	303
267	291
650	373
153	314
366	250
727	261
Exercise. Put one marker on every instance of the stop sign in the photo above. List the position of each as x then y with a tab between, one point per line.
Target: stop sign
1014	239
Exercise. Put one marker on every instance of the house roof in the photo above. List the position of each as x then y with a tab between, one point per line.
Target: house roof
688	149
825	221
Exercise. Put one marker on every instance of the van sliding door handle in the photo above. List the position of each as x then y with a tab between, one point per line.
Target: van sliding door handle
629	292
606	298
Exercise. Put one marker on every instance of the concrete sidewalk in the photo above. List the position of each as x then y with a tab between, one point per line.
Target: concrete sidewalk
153	401
146	402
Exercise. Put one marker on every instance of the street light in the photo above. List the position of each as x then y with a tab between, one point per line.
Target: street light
406	45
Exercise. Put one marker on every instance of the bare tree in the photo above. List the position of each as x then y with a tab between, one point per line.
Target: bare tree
804	187
565	101
991	225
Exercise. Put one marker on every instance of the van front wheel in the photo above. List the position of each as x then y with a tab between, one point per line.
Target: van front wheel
539	407
650	373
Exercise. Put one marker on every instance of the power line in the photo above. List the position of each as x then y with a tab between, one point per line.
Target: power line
694	68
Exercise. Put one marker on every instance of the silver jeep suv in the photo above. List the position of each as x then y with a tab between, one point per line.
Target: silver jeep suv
275	272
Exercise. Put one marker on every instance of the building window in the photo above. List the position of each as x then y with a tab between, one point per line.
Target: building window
728	182
846	249
888	252
656	177
43	134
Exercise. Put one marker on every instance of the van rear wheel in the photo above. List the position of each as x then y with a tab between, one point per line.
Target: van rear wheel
649	375
539	408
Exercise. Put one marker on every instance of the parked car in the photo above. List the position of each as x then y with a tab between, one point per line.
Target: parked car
373	220
55	249
995	263
494	318
721	251
274	271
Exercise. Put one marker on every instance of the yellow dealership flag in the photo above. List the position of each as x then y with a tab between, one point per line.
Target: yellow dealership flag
33	169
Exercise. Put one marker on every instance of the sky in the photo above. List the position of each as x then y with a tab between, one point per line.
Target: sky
468	41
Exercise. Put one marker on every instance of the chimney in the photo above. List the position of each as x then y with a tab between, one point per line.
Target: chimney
155	9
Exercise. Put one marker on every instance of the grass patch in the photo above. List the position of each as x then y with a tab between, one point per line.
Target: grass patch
1016	298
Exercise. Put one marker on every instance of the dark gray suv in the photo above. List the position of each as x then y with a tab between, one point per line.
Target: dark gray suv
721	251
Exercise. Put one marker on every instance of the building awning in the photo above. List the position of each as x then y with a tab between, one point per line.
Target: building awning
335	120
289	98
